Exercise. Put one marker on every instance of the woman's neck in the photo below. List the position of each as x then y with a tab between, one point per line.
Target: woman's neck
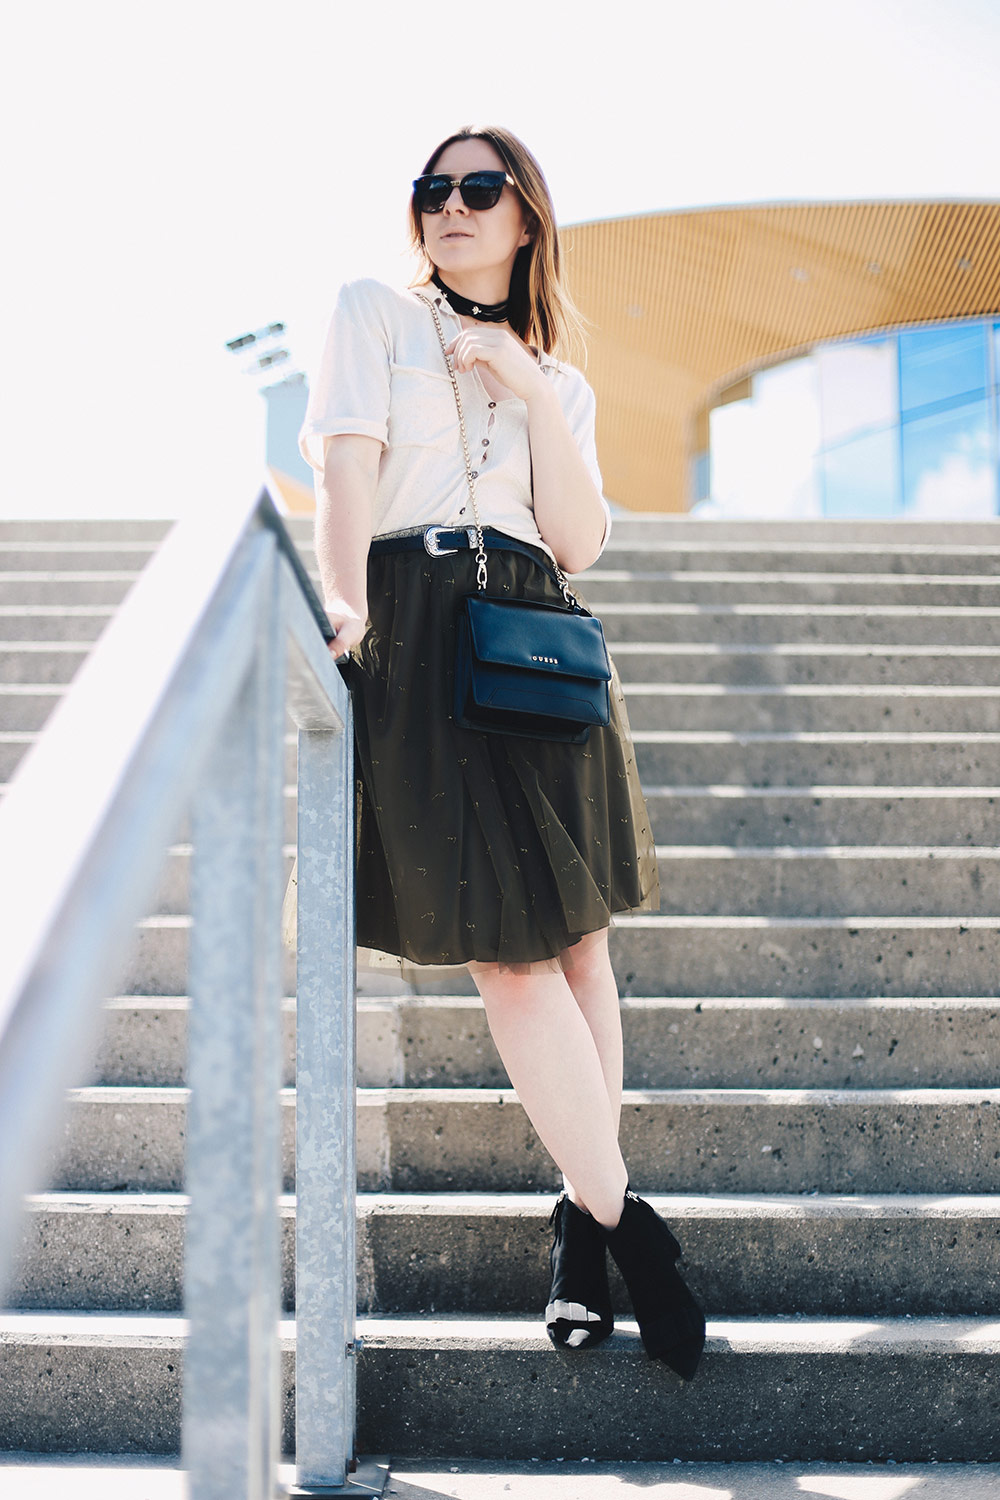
478	286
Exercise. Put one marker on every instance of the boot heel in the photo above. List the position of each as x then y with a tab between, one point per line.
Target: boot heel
671	1324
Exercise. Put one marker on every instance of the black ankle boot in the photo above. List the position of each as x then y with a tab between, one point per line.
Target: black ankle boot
671	1324
578	1314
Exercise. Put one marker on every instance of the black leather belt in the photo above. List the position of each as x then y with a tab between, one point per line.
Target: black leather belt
441	541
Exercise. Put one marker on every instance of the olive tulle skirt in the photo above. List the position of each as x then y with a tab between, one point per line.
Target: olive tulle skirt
476	846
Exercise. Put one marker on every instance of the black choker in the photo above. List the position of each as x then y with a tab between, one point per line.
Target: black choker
486	312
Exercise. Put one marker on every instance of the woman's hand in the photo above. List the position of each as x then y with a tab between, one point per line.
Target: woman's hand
512	364
347	623
344	502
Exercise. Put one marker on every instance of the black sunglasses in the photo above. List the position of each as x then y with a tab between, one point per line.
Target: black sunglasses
478	189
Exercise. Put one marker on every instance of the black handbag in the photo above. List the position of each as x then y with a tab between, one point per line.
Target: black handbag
521	667
531	669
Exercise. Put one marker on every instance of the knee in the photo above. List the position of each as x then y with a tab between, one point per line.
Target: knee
587	959
498	986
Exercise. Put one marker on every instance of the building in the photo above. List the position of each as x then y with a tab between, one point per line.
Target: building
796	358
786	359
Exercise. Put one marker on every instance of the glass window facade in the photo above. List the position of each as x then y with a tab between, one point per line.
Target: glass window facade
901	424
938	365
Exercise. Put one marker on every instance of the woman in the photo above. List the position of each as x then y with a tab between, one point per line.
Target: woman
507	854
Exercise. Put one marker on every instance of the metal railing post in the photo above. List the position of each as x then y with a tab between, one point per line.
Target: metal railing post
181	706
232	1396
325	1169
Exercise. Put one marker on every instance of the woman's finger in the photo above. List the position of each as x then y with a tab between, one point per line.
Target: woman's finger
474	338
347	634
500	352
338	647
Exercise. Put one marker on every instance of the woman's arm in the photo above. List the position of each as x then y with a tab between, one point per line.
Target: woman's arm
567	505
568	509
345	494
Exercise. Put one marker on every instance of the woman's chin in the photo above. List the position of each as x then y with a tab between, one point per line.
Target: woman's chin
455	253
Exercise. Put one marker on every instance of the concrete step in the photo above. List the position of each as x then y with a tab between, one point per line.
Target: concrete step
184	826
444	1041
465	1140
853	545
826	624
887	758
747	1400
70	530
630	553
711	707
650	578
705	1042
712	757
421	1384
811	567
46	1476
741	1255
173	896
54	622
692	707
158	961
631	602
831	626
778	663
747	817
962	817
832	957
828	882
823	707
706	880
25	707
698	955
41	661
610	583
78	586
740	1141
884	535
786	757
486	1252
891	531
647	579
852	538
774	664
56	555
759	546
672	1479
813	574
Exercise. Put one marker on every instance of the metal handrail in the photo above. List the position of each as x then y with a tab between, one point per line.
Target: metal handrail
180	709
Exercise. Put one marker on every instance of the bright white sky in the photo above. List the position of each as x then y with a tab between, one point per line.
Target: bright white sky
182	173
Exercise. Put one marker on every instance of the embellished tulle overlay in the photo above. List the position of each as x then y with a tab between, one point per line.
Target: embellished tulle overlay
475	846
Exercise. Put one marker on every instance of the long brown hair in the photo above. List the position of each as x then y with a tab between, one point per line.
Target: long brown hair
541	309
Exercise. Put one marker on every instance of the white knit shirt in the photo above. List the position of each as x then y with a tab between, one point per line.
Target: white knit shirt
382	374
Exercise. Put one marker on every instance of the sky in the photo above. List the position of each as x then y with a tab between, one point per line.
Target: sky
183	173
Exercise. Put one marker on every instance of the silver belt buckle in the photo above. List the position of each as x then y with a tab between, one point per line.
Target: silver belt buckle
431	544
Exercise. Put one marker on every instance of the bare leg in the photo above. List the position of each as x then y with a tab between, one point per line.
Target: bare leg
553	1062
591	978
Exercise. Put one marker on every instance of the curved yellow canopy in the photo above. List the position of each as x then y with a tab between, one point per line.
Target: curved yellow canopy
683	306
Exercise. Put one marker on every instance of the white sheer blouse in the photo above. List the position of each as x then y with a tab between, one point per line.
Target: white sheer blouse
382	374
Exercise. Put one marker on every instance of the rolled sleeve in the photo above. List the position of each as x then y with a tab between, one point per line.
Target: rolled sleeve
350	391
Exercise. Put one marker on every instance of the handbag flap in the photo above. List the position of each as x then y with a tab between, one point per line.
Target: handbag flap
540	637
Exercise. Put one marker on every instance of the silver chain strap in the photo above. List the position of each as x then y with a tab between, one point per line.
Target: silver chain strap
470	475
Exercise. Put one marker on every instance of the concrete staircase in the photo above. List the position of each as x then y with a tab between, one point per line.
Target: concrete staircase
812	1039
